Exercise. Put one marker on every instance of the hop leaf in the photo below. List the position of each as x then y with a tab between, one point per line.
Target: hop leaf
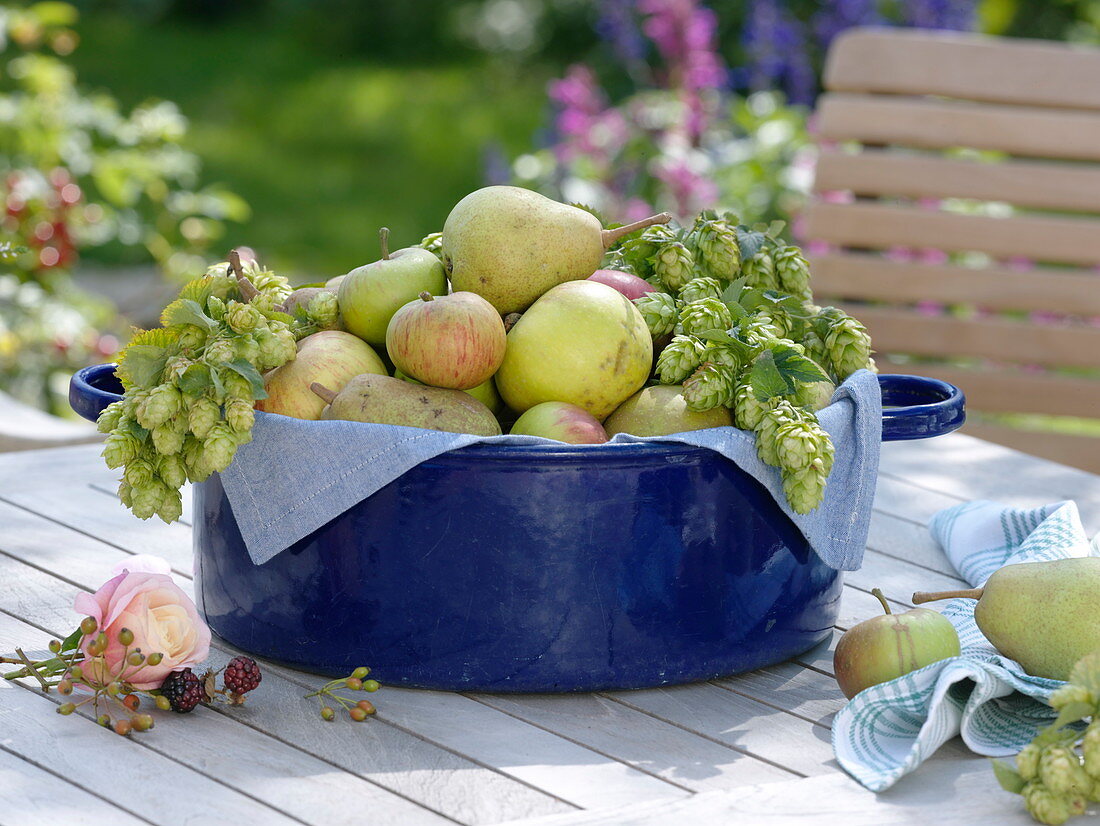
680	358
703	315
699	288
710	386
805	488
659	311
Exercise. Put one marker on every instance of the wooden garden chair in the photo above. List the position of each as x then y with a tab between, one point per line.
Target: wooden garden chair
1021	333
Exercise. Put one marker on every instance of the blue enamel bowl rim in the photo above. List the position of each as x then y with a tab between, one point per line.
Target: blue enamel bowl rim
946	411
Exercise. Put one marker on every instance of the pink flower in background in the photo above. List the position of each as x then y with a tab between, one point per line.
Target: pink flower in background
584	120
160	615
690	191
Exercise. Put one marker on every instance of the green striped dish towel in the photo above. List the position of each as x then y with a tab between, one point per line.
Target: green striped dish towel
888	730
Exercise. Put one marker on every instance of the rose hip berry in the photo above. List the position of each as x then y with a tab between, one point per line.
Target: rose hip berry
183	689
242	675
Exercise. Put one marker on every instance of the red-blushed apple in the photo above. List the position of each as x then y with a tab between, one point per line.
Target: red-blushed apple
455	341
629	285
562	421
331	358
889	646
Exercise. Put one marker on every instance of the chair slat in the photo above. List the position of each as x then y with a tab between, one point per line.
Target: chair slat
873	277
1069	449
964	66
938	124
905	331
1005	390
881	226
1041	185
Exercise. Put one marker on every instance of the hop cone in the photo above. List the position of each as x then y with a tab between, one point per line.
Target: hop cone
705	314
758	330
849	347
1060	770
775	416
245	347
172	470
236	386
158	407
193	460
111	416
748	411
699	288
240	415
1090	747
324	311
816	349
147	498
204	414
219	352
1027	761
192	337
167	439
638	253
674	265
759	271
171	506
1070	693
659	311
723	355
815	395
680	358
215	308
1044	805
120	448
712	385
715	242
433	243
792	271
805	488
799	443
139	472
125	493
219	447
243	318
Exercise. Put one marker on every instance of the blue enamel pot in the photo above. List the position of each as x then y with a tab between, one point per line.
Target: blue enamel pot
537	568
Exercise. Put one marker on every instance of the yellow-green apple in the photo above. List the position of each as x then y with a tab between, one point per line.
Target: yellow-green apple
629	285
582	342
332	358
562	421
661	410
371	294
455	341
886	647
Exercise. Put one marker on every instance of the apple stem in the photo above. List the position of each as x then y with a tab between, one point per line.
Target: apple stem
877	592
610	236
426	296
924	596
384	238
322	391
510	320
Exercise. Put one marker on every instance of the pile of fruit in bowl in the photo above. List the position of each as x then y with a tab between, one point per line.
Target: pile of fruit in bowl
524	315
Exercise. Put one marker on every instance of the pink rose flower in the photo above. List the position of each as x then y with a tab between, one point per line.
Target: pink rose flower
142	563
162	618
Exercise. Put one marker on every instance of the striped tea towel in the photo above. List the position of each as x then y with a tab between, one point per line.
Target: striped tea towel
888	730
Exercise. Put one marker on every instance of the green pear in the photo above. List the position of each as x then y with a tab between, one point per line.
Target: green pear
510	245
382	400
330	357
583	343
486	392
886	647
564	422
1043	615
661	410
370	295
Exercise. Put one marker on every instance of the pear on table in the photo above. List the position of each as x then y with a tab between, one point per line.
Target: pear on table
511	245
660	410
384	400
1043	615
889	646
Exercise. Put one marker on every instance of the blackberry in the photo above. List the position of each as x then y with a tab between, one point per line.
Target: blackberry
183	690
242	675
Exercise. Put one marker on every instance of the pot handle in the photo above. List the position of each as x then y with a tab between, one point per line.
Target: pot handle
916	407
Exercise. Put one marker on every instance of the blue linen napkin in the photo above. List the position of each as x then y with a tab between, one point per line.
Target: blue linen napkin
888	730
295	476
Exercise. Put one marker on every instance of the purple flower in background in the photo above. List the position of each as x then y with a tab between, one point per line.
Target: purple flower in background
837	15
957	15
685	35
776	45
619	27
585	124
690	191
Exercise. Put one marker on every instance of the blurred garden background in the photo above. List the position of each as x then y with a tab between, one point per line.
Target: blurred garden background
141	139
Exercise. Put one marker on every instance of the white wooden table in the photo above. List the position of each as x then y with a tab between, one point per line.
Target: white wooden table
750	749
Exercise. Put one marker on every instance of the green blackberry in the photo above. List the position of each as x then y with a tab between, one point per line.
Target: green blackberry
242	675
184	690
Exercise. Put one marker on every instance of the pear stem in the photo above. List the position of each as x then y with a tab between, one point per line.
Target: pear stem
610	236
384	238
877	592
244	283
924	596
328	395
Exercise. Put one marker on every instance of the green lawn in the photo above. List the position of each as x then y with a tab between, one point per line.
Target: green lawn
325	149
